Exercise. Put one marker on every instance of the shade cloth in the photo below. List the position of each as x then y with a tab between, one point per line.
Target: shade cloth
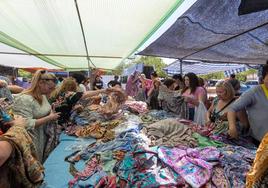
113	29
213	31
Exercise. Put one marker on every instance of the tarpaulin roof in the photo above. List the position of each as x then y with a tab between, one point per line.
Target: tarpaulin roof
202	68
71	34
21	61
213	31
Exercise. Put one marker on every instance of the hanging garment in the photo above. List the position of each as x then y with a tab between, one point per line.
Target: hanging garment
171	101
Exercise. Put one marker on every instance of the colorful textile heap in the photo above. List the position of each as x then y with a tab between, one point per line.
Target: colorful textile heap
195	166
96	131
168	167
143	168
258	175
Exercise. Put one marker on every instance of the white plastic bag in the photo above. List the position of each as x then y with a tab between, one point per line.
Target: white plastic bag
200	114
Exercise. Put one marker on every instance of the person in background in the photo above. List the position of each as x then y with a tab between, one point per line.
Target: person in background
178	81
86	83
144	87
193	93
114	82
235	83
79	78
60	79
98	84
255	101
68	85
33	105
132	84
154	91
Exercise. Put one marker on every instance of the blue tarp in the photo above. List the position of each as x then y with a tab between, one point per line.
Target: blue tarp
212	31
202	68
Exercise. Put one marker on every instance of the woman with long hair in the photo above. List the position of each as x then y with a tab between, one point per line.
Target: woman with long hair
33	105
193	93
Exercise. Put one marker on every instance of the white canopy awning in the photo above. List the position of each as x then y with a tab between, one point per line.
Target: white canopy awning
52	29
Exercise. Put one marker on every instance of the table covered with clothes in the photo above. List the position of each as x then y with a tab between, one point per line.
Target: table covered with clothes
141	148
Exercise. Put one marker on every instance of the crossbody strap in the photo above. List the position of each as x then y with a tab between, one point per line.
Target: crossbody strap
225	106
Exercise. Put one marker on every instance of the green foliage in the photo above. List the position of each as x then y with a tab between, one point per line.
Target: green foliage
119	69
156	62
216	75
24	74
242	76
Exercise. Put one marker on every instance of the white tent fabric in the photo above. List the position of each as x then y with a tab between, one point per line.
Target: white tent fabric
113	28
21	61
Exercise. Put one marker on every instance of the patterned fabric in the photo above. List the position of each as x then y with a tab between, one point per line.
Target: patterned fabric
260	165
171	101
28	171
169	132
236	162
91	167
137	106
96	131
143	168
5	93
52	131
193	165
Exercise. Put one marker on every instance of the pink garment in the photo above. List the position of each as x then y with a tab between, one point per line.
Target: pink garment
137	106
198	91
195	166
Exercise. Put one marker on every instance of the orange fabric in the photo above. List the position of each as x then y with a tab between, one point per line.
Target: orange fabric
260	164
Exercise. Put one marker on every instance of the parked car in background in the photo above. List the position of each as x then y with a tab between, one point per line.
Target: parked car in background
243	88
252	83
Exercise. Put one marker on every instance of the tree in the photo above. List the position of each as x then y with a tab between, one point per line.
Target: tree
156	62
216	75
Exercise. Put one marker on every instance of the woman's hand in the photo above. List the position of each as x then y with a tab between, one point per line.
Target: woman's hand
19	121
233	132
53	116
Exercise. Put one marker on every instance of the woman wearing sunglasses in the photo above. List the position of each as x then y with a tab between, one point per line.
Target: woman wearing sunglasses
33	105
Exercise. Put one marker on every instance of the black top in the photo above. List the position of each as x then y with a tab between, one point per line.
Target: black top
98	84
113	83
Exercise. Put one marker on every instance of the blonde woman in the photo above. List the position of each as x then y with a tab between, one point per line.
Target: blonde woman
67	85
33	105
217	112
